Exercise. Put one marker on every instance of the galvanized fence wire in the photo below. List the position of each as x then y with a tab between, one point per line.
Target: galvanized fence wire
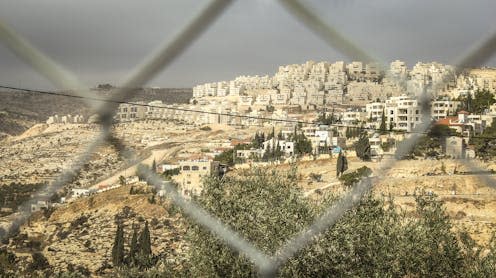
267	265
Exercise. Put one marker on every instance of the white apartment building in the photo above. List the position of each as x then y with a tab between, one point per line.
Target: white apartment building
222	89
131	111
316	98
192	171
355	70
262	100
374	110
443	108
372	71
403	112
353	117
287	147
236	88
279	99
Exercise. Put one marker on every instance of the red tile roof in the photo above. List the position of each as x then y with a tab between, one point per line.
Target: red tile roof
449	121
235	142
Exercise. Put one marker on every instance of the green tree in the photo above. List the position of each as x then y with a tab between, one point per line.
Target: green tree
302	145
39	262
485	144
144	247
382	127
362	147
118	247
430	144
482	100
264	206
373	239
133	247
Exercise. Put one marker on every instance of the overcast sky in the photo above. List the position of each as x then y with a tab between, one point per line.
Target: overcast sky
101	41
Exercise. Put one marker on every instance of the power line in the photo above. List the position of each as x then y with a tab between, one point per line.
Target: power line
217	113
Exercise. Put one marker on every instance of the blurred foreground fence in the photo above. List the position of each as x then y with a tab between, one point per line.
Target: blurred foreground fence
267	264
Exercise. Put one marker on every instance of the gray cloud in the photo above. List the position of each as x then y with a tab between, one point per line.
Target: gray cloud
101	41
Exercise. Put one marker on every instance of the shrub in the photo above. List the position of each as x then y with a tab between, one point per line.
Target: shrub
81	220
316	177
39	262
350	179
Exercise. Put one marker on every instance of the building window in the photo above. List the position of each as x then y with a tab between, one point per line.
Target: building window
204	167
195	168
186	168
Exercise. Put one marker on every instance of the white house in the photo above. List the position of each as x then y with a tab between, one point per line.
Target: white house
80	192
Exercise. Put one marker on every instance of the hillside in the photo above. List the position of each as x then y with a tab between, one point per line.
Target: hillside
82	233
21	110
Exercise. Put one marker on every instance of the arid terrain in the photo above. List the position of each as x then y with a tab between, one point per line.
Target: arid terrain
84	228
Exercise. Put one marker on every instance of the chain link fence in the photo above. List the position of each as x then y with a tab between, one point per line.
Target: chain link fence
159	60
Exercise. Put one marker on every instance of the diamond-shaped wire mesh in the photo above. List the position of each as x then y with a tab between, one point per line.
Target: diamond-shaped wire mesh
267	264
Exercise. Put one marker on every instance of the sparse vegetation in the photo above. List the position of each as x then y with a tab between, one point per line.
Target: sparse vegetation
362	147
351	178
14	194
316	177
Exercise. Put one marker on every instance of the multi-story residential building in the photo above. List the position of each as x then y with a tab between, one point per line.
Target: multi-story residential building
131	111
222	89
287	147
355	70
279	99
299	97
245	102
443	108
262	100
192	171
353	117
316	98
236	89
403	113
373	71
375	110
483	79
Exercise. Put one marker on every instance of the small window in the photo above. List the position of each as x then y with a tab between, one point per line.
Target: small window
186	168
204	167
195	168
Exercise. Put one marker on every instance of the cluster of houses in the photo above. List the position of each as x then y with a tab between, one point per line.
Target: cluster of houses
314	85
66	119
